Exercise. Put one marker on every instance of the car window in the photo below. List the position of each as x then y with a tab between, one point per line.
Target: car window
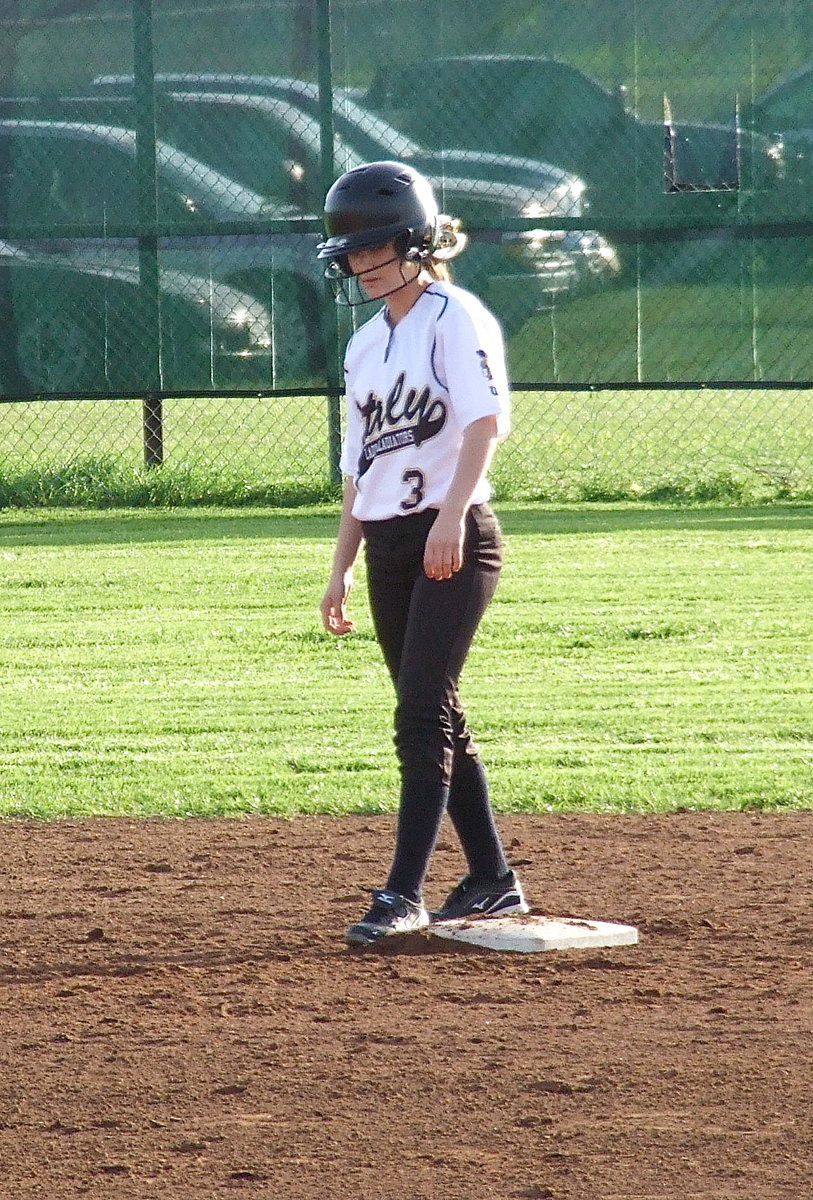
243	144
265	143
552	91
195	189
374	134
61	174
534	107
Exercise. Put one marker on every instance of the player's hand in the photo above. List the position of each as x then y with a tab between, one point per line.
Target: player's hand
334	605
443	553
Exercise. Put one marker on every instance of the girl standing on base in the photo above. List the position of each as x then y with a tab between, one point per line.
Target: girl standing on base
427	402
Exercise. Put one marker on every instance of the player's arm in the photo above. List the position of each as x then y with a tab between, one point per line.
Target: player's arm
348	543
443	555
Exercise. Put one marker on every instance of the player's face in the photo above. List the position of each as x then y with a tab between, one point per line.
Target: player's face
381	270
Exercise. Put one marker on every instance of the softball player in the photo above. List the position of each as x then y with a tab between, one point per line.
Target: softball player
427	401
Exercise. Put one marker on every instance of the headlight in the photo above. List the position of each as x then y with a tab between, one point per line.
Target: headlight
239	316
570	198
563	200
245	332
777	157
535	210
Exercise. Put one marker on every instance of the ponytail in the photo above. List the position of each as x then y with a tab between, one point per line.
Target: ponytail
438	270
449	242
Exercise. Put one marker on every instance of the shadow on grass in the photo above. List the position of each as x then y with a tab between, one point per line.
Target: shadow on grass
68	527
61	527
615	518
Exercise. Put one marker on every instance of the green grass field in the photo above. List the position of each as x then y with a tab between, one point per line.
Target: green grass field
636	658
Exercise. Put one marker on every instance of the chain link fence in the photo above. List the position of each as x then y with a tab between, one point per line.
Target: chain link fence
635	182
731	445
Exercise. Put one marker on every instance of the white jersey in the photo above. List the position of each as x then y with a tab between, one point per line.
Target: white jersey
412	389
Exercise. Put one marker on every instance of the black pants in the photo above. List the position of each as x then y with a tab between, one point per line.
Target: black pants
425	628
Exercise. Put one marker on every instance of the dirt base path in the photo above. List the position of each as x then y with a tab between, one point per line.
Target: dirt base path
180	1017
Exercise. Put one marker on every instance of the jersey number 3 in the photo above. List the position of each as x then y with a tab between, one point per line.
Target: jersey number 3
415	481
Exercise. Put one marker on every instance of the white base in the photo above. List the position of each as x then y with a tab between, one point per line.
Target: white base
527	934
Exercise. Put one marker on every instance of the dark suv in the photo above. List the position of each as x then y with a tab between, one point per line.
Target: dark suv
522	104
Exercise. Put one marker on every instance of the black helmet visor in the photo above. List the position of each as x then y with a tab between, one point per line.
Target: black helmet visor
348	241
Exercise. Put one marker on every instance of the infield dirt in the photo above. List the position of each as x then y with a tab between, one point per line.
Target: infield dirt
181	1019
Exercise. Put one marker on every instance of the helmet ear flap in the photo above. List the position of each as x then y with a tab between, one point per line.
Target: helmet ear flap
338	268
417	245
403	245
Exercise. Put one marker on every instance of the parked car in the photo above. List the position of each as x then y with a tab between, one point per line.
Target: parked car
242	310
268	137
529	105
359	131
77	324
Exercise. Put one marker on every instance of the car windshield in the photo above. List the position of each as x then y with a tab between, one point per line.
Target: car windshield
397	144
215	193
299	91
304	127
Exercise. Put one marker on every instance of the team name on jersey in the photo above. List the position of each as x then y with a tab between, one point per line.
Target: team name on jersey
405	417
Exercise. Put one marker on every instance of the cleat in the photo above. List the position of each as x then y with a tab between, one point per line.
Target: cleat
390	914
484	898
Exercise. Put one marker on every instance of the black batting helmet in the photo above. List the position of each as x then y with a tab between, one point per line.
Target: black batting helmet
378	203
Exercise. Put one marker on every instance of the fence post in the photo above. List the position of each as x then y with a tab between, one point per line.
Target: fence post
152	410
147	196
334	372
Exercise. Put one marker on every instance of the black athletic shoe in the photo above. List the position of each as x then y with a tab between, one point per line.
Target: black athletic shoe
483	898
389	914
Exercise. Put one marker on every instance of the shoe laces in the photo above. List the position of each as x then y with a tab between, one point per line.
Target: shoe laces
461	890
384	904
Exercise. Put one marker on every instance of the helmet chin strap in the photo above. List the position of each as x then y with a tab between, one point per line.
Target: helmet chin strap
348	290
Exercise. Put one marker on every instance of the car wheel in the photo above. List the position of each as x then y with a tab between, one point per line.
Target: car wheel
298	343
59	353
